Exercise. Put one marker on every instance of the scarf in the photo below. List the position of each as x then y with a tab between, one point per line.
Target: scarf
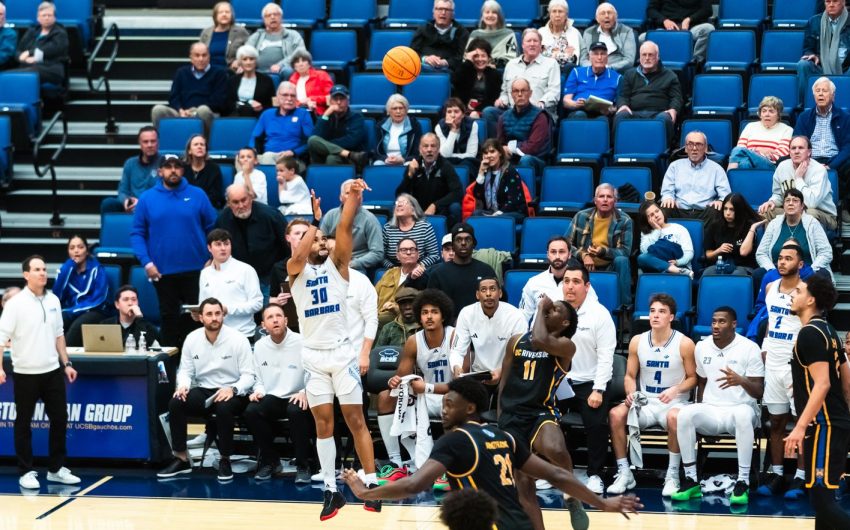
829	40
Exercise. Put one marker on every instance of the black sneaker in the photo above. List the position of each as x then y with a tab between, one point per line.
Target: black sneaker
771	484
264	472
333	501
176	467
302	475
224	470
360	160
689	489
796	490
372	506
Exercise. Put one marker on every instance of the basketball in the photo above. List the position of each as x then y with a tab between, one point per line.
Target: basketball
401	65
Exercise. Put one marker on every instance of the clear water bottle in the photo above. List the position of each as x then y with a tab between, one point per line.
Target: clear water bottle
143	344
162	374
722	266
130	345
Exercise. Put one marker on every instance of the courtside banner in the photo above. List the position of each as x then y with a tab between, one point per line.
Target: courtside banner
107	418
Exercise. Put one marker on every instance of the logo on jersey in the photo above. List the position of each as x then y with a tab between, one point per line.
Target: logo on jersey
488	433
265	363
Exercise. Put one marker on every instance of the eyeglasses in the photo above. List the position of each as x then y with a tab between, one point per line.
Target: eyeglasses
401	203
405	250
284	95
692	145
444	9
520	91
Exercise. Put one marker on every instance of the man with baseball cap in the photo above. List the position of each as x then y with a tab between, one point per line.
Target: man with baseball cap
339	134
447	250
459	277
596	79
396	332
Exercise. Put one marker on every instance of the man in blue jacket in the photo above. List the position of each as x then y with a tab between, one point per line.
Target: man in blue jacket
169	239
139	174
340	134
8	43
825	45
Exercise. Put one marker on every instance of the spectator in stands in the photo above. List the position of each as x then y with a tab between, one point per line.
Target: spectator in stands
367	245
292	190
440	42
256	230
476	81
340	133
694	187
459	277
734	237
817	251
8	43
560	39
525	129
432	180
275	43
279	286
131	318
498	188
233	282
405	323
542	74
808	176
683	15
408	221
447	252
825	45
603	237
249	92
248	175
44	47
762	143
458	134
408	273
225	37
650	91
597	79
312	85
619	39
664	247
172	258
201	172
398	134
82	289
283	131
199	90
140	174
491	28
8	294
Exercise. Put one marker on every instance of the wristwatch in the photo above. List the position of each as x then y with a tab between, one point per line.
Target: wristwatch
235	390
67	364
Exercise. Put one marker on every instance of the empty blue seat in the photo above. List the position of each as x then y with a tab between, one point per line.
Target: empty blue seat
716	290
605	285
842	91
527	176
229	135
174	133
20	98
792	14
756	185
583	12
428	93
718	95
272	192
718	132
383	41
536	233
22	12
520	13
640	141
468	12
494	232
439	224
408	13
833	181
371	134
425	124
738	14
582	141
676	285
148	299
631	12
115	236
348	14
696	230
369	92
76	16
783	86
5	149
731	51
250	12
565	188
618	176
227	174
383	180
303	13
326	180
333	49
515	280
113	279
674	47
781	50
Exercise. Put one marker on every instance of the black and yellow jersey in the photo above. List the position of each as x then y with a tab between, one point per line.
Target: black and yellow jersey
818	341
533	380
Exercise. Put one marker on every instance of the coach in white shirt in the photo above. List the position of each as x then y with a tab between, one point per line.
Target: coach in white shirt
279	393
216	365
486	326
33	322
591	369
234	283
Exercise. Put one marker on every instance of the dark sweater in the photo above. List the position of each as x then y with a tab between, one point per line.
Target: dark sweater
278	277
347	131
188	92
459	282
440	187
698	11
258	240
209	180
840	125
449	46
463	84
263	93
658	91
54	46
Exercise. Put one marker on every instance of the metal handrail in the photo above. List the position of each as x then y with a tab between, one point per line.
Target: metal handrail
50	167
103	81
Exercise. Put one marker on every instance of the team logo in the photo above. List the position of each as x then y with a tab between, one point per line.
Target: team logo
488	433
390	355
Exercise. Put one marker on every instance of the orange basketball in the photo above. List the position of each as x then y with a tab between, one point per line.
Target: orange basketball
401	65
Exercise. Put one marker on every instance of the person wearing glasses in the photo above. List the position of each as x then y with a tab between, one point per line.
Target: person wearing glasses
694	187
441	41
284	131
525	129
408	222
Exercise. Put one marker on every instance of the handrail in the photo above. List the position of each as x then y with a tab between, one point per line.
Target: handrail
103	81
50	167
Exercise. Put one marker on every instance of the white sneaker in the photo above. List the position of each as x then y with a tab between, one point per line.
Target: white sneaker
318	477
64	476
541	484
29	480
197	441
671	486
625	480
594	483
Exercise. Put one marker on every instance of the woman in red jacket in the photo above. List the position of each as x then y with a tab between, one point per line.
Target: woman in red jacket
312	86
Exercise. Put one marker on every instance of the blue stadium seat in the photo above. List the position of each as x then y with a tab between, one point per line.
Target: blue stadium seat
842	91
326	180
515	280
737	14
383	41
696	230
227	174
605	285
833	181
76	16
583	12
718	132
113	279
783	86
793	14
228	135
756	185
303	13
468	12
148	299
640	141
175	132
383	180
520	13
334	49
408	13
617	176
22	13
583	141
115	236
439	224
250	12
272	192
369	92
781	50
371	134
428	93
527	176
463	174
425	124
718	95
674	47
5	149
20	98
565	189
631	12
536	232
348	14
494	232
731	51
676	285
717	290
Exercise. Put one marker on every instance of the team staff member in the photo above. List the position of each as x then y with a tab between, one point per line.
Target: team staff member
33	322
823	427
131	318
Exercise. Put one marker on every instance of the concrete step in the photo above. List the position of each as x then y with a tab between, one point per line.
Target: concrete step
95	154
121	89
70	201
10	273
37	225
94	110
53	249
68	178
144	67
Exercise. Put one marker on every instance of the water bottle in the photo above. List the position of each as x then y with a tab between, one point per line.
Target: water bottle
130	345
143	344
162	375
720	267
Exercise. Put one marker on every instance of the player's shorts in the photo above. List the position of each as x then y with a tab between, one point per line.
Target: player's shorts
525	427
778	391
825	449
333	372
434	403
654	413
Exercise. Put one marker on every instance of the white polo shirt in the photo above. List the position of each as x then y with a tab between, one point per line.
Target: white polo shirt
488	336
595	340
237	286
362	309
277	367
32	323
227	362
537	286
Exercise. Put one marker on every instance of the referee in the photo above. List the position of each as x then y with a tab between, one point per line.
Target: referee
823	425
33	322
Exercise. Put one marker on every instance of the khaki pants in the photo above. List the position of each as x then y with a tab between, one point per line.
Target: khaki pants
203	112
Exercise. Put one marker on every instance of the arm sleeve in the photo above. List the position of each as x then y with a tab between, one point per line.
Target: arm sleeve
55	48
259	130
374	238
653	12
460	342
818	240
527	304
646	240
763	251
369	310
776	186
676	100
124	190
455	191
816	189
186	370
668	184
306	132
175	99
539	139
624	90
553	87
432	250
687	247
703	14
139	234
246	366
755	366
218	99
258	378
355	133
626	242
8	321
8	42
721	186
253	296
606	343
571	86
812	346
810	38
472	143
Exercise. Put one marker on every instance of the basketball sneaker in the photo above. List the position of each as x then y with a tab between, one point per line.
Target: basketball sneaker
390	473
771	485
624	480
578	517
63	476
176	467
442	484
333	501
372	506
740	494
690	489
225	472
671	486
29	480
796	491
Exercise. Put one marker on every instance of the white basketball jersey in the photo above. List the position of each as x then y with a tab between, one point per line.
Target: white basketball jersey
782	328
434	362
319	293
661	365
